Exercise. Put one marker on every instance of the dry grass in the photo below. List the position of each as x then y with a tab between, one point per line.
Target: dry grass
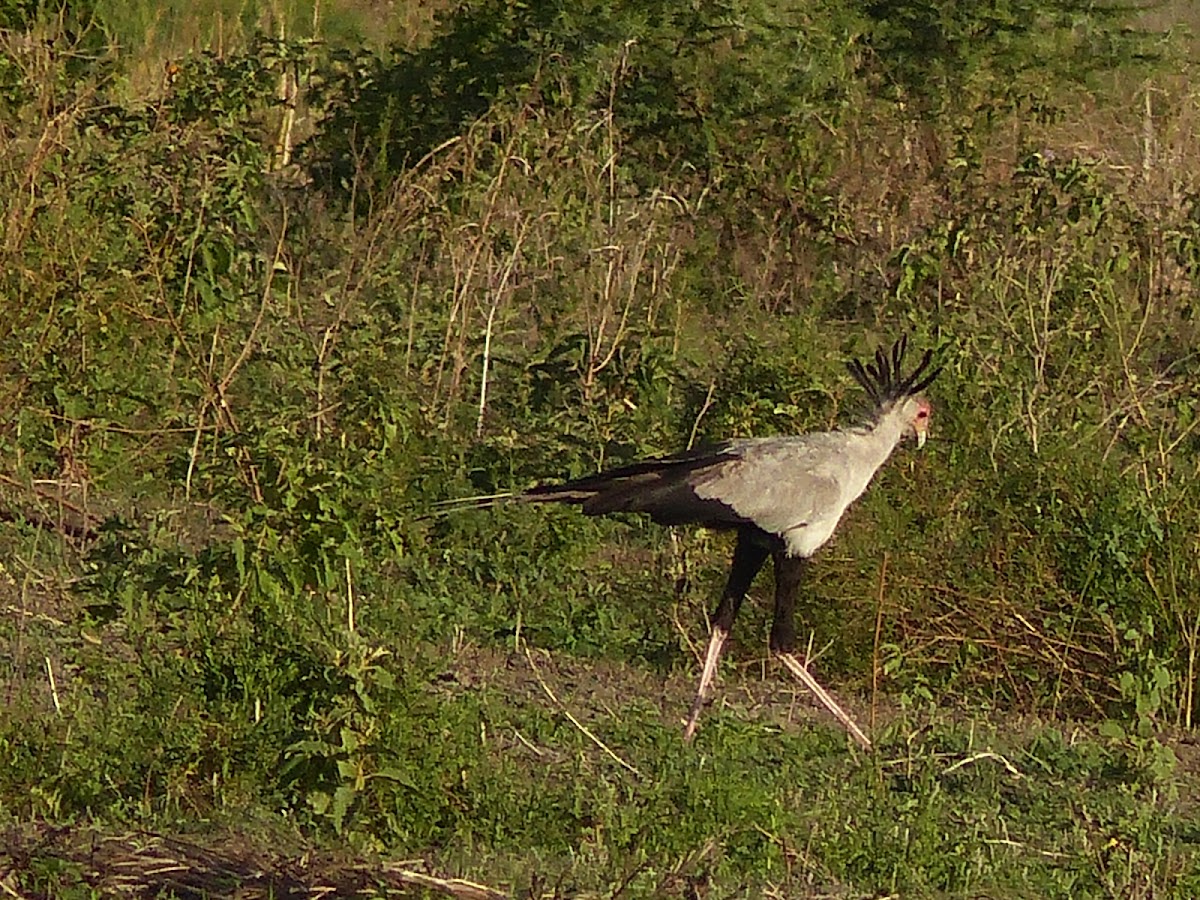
142	864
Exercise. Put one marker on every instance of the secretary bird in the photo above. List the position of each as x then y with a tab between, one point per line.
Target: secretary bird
784	496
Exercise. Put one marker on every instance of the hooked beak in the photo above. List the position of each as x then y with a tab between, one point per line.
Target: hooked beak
921	436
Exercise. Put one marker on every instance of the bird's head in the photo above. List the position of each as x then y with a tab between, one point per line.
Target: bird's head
916	413
894	394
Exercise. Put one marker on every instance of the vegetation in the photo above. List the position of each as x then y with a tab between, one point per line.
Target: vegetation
268	302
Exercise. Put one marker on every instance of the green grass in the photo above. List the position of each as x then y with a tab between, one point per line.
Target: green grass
235	654
468	755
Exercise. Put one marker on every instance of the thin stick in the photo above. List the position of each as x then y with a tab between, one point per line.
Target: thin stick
53	686
687	638
524	740
986	754
484	366
459	888
1147	133
700	415
497	298
349	597
797	668
195	451
574	721
878	632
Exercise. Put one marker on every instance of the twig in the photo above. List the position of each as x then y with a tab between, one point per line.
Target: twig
288	88
194	453
712	386
574	721
1017	845
524	740
497	297
36	616
456	887
679	559
878	632
53	686
464	279
349	597
8	890
695	651
986	754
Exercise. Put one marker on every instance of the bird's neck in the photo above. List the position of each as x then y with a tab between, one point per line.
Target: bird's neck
890	425
880	436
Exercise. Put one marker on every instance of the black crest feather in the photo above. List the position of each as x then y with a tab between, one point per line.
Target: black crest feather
881	378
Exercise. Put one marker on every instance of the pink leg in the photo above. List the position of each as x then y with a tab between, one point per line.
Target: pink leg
798	669
715	644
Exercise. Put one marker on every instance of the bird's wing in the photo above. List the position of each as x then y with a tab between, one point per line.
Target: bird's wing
779	485
660	487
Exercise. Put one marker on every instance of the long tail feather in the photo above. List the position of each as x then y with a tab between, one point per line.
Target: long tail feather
483	501
652	485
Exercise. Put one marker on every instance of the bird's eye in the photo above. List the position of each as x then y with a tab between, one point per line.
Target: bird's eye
922	414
